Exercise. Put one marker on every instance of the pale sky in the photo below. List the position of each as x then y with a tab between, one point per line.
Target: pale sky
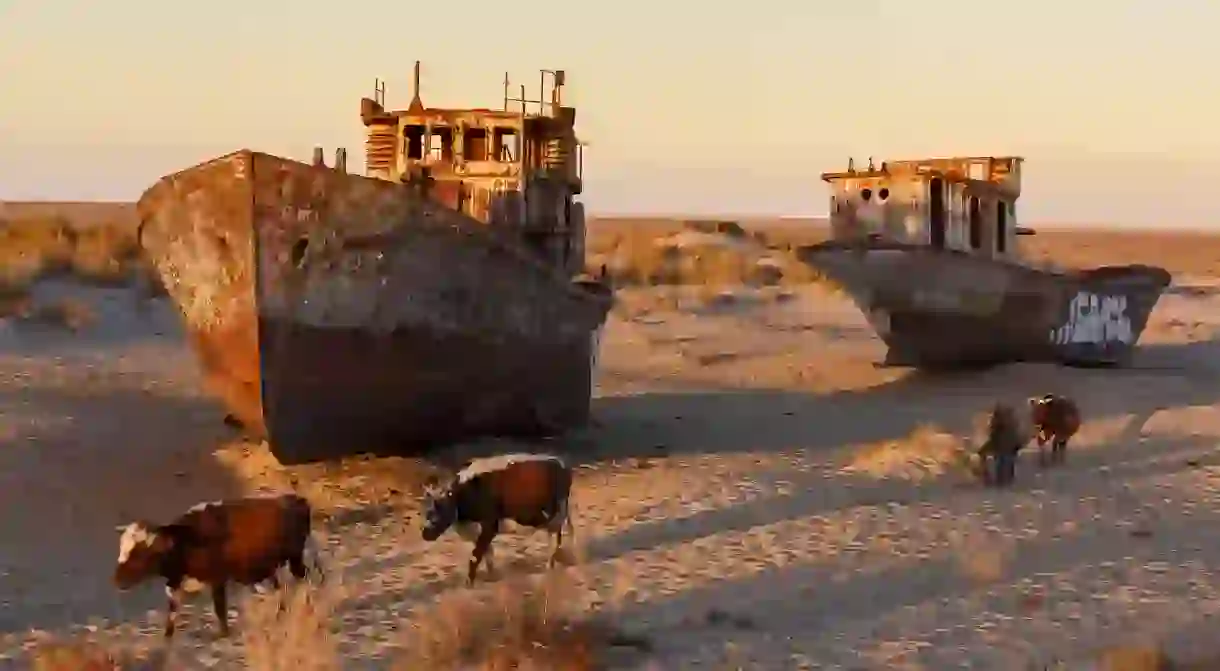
689	107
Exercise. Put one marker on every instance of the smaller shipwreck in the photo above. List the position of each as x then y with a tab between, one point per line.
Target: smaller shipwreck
928	251
439	298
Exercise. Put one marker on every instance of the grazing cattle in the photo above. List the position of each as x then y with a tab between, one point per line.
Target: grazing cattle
1004	441
529	489
1055	419
244	541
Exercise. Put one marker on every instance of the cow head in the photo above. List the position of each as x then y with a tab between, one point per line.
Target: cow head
440	509
142	549
1038	408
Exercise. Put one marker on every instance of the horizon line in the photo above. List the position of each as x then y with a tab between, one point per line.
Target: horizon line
740	217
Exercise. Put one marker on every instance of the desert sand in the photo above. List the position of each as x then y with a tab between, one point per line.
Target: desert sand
755	493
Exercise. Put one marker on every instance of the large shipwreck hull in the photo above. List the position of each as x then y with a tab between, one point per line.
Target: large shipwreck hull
333	313
944	308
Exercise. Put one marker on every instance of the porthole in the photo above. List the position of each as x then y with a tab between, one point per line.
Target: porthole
883	193
866	194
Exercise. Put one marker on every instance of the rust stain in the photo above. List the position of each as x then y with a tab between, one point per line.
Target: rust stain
335	313
518	167
927	249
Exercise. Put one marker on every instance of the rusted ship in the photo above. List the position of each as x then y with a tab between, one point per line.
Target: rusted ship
928	251
438	298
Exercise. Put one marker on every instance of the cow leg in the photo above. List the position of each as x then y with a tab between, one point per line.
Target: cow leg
1042	457
173	595
556	529
986	464
297	566
482	547
220	603
1060	450
489	563
1006	467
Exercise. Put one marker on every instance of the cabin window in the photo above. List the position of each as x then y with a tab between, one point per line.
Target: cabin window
976	224
884	193
441	146
866	194
414	146
474	144
505	144
1001	227
834	204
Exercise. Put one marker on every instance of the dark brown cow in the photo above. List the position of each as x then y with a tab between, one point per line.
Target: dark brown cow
244	541
1004	441
529	489
1055	419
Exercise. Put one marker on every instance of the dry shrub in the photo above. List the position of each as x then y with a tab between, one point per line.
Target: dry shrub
983	557
73	656
643	258
521	624
105	254
36	247
291	628
15	301
69	313
927	452
30	247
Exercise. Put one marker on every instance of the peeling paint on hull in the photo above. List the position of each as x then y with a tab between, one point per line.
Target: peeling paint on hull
944	308
333	313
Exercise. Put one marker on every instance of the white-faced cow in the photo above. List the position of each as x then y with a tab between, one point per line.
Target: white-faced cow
244	541
1055	419
531	490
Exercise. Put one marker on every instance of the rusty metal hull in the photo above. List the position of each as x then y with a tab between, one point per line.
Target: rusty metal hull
333	313
945	308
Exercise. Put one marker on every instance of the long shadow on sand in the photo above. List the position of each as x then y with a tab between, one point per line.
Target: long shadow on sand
82	461
907	598
823	494
808	601
736	420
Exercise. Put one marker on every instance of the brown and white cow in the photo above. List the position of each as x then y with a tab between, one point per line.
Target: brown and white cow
1055	419
244	541
531	490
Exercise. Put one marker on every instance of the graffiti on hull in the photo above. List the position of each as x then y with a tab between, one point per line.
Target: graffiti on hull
1095	319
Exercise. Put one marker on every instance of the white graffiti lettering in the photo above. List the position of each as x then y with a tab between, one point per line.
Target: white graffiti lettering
1094	319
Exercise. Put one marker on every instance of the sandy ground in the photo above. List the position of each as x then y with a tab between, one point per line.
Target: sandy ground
756	494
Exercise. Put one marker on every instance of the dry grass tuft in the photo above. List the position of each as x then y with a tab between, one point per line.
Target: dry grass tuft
927	452
716	256
293	627
33	248
68	313
15	301
73	656
522	624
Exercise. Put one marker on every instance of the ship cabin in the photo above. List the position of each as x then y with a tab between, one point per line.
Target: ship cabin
962	203
517	168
